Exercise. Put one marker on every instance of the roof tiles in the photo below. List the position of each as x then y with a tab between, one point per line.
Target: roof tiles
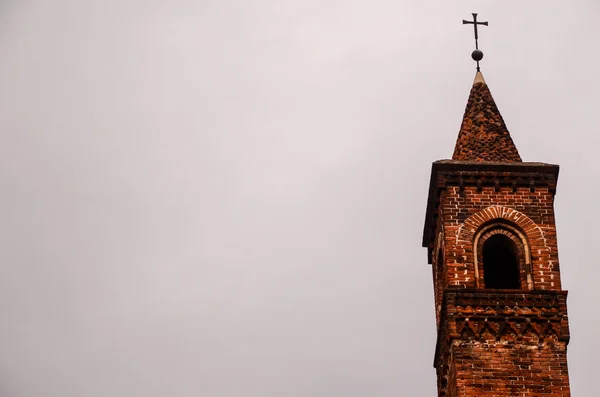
483	135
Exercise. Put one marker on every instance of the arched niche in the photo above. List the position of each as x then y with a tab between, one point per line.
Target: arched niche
502	257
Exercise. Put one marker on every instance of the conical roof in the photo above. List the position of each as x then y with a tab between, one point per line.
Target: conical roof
483	135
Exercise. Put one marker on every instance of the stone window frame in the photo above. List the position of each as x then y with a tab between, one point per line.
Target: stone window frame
518	237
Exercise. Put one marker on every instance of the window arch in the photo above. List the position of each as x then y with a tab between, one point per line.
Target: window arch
502	258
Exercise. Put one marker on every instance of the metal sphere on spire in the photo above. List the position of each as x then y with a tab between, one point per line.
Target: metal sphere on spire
477	55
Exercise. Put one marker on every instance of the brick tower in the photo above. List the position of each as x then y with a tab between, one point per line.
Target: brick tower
491	239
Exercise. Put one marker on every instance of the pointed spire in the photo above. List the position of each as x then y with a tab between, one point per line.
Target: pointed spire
483	135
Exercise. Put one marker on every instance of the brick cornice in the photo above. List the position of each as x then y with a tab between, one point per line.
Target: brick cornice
451	173
476	314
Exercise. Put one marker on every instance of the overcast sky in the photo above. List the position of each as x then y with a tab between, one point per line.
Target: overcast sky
226	198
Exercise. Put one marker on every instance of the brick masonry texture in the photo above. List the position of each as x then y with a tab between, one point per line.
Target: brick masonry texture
500	343
483	134
503	344
495	342
492	368
463	214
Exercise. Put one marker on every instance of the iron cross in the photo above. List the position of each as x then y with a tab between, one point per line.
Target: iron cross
475	23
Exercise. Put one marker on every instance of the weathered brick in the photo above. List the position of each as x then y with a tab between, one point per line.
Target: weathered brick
495	342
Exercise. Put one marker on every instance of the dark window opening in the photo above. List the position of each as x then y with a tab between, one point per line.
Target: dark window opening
440	267
501	263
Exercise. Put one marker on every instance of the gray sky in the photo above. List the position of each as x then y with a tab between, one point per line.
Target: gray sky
226	198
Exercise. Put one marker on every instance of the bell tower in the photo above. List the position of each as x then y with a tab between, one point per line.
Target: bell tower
490	233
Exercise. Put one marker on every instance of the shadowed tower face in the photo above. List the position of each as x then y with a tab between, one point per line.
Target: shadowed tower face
490	235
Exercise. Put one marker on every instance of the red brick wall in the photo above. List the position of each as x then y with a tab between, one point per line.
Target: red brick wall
498	343
503	344
493	369
464	212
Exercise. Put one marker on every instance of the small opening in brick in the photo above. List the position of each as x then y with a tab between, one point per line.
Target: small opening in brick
501	263
440	267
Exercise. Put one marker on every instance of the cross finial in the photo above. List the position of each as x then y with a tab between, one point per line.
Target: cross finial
477	55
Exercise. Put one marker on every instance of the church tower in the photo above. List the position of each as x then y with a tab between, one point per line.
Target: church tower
490	234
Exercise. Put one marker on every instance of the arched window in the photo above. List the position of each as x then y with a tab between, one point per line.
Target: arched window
502	258
501	263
